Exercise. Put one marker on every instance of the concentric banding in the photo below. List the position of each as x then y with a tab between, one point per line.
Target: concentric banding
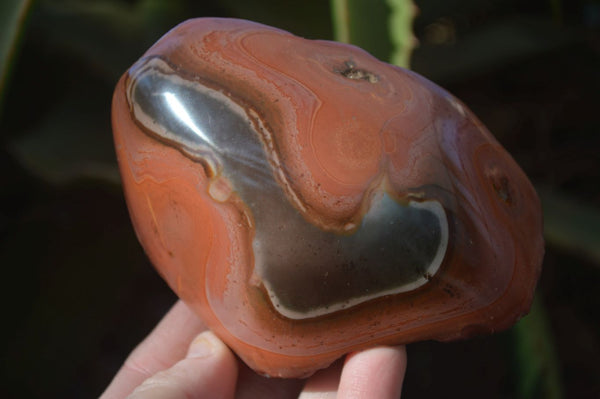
306	272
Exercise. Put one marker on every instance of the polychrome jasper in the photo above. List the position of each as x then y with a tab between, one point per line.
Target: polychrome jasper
308	200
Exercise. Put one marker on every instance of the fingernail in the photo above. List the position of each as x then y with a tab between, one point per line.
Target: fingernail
203	345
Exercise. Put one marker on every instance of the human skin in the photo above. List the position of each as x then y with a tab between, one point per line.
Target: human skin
180	358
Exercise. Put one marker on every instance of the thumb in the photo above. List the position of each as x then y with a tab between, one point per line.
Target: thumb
208	371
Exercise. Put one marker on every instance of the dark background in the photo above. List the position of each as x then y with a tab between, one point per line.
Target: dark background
79	293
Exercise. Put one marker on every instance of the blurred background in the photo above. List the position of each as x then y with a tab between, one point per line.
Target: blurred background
78	291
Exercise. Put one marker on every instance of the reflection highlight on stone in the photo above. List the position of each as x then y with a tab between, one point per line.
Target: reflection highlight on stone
307	200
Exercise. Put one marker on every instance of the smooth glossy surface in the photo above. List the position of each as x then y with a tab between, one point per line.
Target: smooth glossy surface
394	248
308	200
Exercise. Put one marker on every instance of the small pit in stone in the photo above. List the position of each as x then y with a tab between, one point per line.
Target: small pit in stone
350	71
502	188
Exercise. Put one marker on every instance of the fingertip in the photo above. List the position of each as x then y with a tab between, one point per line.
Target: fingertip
374	373
162	348
209	370
206	344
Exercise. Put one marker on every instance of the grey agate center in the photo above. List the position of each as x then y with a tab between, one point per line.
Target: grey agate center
307	272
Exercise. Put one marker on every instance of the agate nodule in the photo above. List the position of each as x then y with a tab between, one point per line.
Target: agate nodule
307	200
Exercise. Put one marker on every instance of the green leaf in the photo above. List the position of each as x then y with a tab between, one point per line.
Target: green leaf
536	359
571	224
12	20
382	27
97	41
109	35
364	24
401	31
72	141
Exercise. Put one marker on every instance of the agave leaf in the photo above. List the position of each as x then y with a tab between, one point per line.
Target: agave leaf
12	21
382	27
108	35
535	355
401	19
571	224
73	141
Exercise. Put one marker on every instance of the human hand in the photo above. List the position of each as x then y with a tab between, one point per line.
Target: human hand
165	365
